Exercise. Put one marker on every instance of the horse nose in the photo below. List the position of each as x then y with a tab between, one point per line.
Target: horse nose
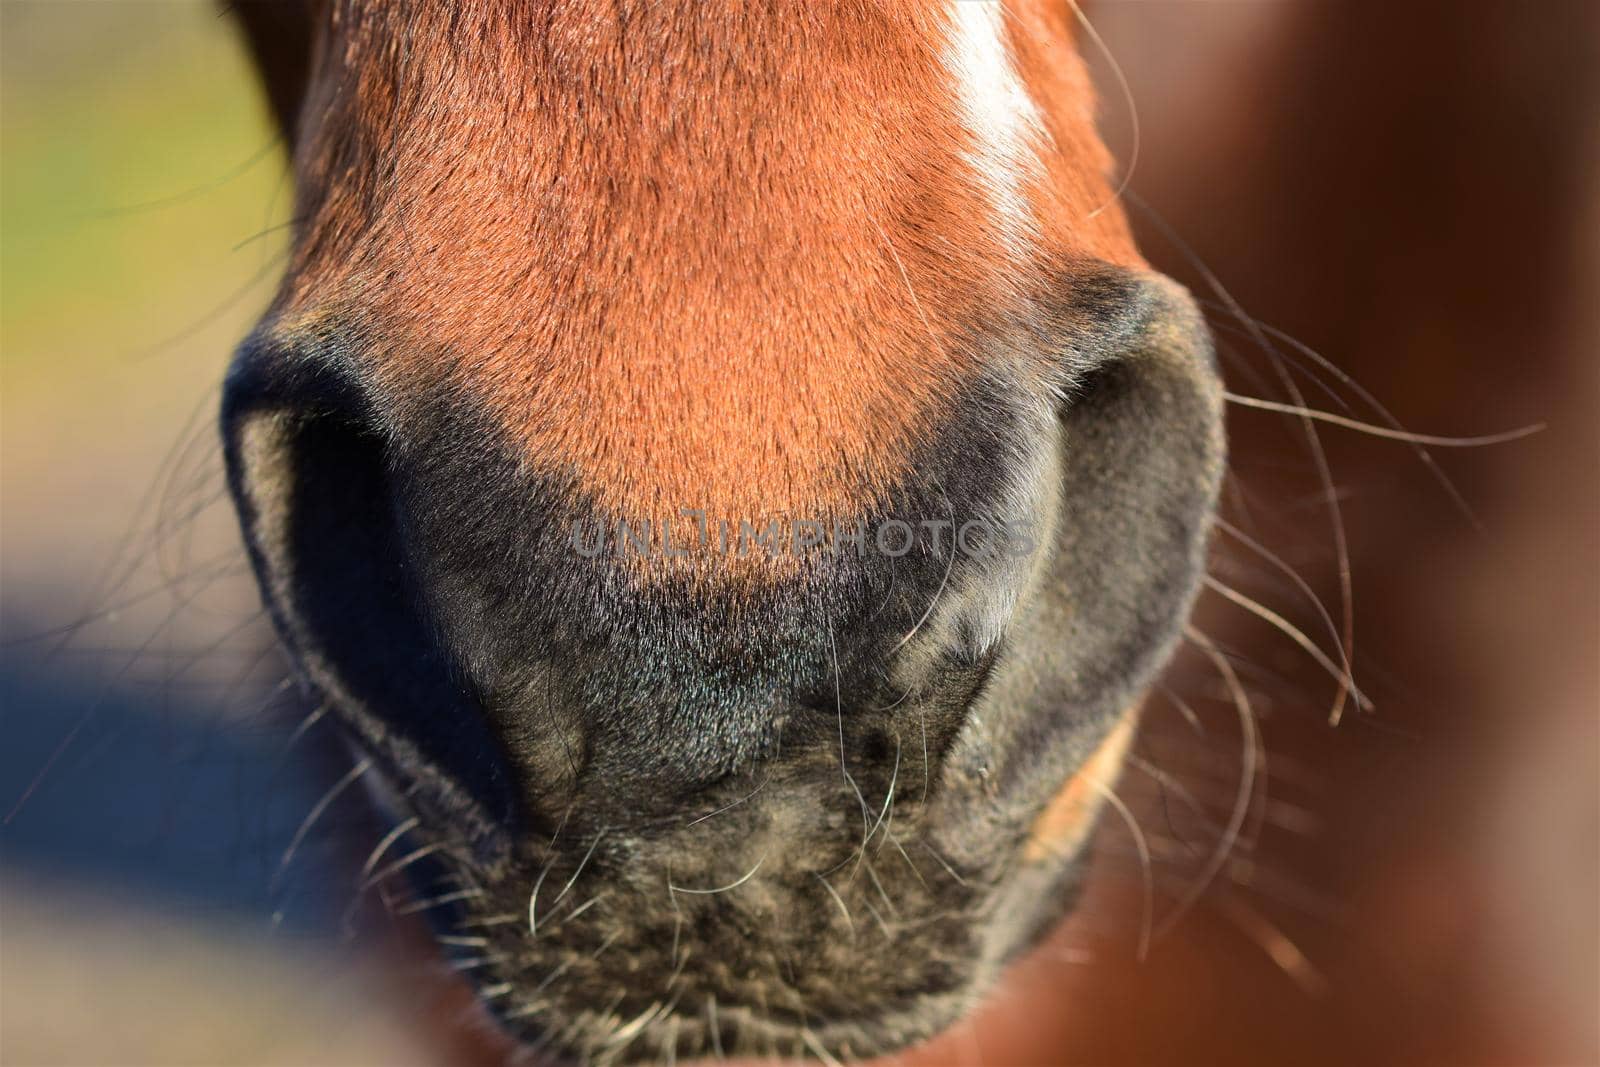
439	597
707	747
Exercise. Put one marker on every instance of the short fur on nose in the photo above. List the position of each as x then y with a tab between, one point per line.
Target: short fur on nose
628	721
607	659
620	661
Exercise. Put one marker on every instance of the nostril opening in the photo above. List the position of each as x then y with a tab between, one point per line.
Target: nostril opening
1096	387
311	475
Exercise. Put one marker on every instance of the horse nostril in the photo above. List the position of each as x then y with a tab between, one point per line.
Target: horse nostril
662	753
311	475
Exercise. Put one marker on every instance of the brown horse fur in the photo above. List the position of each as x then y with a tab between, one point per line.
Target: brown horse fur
570	263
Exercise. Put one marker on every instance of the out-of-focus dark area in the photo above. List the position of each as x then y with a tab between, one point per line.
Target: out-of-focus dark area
1409	191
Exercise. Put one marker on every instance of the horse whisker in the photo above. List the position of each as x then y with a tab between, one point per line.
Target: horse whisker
1143	846
1247	777
1436	440
1295	634
401	864
317	811
751	873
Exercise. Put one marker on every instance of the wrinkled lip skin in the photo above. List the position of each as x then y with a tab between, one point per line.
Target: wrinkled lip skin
1003	1029
1044	887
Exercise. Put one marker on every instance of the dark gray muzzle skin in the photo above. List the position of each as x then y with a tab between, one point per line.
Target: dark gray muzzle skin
689	818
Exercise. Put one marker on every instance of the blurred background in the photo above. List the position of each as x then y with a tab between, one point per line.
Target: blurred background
1408	191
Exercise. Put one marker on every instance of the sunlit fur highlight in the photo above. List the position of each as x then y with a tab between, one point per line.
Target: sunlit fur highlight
690	253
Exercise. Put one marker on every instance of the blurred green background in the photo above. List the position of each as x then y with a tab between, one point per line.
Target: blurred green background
135	169
141	195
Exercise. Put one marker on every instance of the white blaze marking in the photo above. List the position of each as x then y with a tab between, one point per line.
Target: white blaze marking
999	112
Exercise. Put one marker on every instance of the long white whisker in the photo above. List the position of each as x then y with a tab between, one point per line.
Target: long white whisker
878	885
838	709
1372	430
751	873
317	811
1289	572
1139	842
1313	444
385	844
581	908
533	897
462	942
1423	455
1188	713
401	864
817	1048
933	602
438	902
1292	632
315	716
888	800
581	864
731	804
533	902
837	899
1247	778
1127	95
